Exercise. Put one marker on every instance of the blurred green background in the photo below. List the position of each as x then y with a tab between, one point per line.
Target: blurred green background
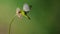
45	17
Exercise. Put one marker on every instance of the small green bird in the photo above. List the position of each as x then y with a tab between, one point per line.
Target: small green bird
26	9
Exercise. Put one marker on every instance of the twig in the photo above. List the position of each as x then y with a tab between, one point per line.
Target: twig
11	23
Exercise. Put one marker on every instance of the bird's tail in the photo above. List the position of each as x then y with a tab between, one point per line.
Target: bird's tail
28	17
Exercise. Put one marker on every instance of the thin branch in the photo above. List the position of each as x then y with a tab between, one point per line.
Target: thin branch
11	23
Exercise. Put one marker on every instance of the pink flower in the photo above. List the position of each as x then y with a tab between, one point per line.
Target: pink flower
18	12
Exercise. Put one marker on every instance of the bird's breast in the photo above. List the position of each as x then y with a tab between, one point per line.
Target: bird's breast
22	12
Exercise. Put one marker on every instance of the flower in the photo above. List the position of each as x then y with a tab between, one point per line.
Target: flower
18	12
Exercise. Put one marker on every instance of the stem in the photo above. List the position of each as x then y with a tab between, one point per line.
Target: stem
11	23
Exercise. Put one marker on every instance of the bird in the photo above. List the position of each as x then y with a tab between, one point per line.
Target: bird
26	9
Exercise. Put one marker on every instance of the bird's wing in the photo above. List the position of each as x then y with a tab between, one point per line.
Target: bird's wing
26	7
